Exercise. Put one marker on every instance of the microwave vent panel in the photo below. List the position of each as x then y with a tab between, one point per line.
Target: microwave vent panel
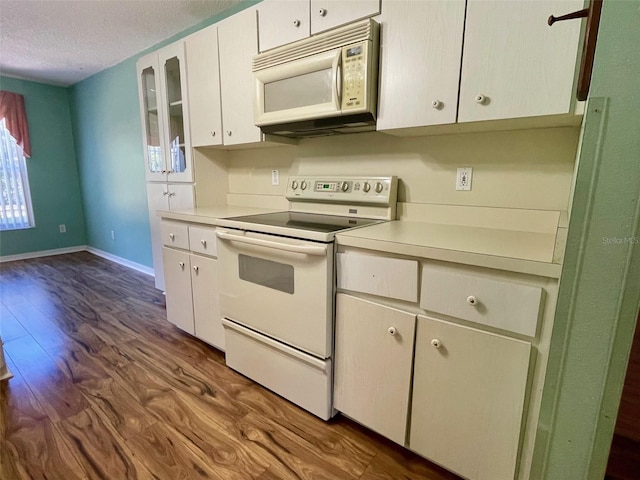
338	37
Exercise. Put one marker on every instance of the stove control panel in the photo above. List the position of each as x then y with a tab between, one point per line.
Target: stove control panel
368	190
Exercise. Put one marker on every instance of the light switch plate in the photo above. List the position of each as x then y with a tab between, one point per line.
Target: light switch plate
275	177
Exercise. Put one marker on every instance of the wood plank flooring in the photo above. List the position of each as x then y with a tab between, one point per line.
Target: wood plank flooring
106	388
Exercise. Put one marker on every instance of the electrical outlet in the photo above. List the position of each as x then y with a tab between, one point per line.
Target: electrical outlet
113	235
275	177
463	178
63	228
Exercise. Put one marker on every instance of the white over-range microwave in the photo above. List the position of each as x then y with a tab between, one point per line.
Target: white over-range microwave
321	85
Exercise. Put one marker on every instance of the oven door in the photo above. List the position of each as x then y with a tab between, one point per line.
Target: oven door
279	286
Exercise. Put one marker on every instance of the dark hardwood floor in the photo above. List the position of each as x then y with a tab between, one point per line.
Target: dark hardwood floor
106	388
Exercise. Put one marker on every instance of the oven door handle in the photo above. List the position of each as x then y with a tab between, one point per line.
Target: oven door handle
304	249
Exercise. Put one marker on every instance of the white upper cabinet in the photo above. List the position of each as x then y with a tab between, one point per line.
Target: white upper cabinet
328	14
203	78
285	21
421	47
515	65
164	110
238	42
282	22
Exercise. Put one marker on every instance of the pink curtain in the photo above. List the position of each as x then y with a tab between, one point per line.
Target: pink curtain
13	111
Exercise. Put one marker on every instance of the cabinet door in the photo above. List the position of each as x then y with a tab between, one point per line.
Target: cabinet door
282	21
514	64
181	196
152	117
157	199
373	356
203	78
468	399
178	288
424	38
173	86
206	309
327	14
238	41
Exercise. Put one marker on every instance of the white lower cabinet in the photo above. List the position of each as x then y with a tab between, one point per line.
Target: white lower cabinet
373	357
178	288
468	399
191	280
206	308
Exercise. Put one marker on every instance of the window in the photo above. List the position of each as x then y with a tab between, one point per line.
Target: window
15	198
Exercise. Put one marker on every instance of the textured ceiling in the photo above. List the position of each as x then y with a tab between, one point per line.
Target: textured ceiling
61	42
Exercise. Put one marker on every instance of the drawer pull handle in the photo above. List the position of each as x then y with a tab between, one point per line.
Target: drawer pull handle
172	236
392	331
204	243
195	268
436	343
181	265
471	300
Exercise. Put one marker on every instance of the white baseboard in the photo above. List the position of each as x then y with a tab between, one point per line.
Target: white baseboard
42	253
80	248
122	261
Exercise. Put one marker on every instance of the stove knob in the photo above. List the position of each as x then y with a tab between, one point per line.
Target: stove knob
303	185
345	186
378	187
366	187
294	185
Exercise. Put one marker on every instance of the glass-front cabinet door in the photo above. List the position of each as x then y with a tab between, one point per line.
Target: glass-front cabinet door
163	106
174	87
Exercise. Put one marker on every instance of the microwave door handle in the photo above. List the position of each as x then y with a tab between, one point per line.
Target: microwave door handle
304	249
337	78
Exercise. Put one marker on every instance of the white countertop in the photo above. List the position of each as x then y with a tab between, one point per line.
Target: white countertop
512	250
210	215
518	251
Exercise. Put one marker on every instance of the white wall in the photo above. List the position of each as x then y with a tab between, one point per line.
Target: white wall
525	169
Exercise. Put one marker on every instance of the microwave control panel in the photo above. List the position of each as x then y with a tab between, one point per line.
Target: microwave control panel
354	74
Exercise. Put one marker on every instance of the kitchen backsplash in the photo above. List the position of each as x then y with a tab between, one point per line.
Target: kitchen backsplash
521	169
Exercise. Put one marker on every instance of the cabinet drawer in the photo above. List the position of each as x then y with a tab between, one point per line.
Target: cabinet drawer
174	234
383	276
507	305
203	240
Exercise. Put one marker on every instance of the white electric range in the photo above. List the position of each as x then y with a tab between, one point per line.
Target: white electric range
277	283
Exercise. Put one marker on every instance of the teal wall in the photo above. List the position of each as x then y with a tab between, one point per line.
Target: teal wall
52	169
600	285
108	142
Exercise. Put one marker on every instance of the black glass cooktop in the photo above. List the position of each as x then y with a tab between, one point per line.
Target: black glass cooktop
306	221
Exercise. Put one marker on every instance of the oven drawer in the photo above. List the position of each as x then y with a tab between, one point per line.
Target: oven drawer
203	240
383	276
174	234
301	378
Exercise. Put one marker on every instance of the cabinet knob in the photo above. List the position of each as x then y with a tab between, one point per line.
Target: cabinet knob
181	265
392	331
172	236
169	172
165	192
437	104
229	132
213	133
481	99
436	343
471	300
172	194
296	23
322	12
195	268
204	243
163	171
